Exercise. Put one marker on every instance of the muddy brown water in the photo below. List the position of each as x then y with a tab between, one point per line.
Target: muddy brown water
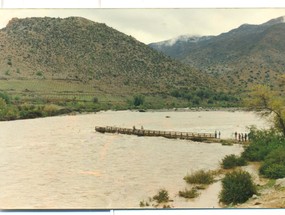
61	162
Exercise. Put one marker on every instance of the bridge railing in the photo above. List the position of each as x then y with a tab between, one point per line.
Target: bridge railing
145	132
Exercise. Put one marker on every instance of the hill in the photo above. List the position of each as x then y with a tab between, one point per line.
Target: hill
77	49
245	55
84	65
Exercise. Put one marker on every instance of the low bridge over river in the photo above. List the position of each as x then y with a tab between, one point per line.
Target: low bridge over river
155	133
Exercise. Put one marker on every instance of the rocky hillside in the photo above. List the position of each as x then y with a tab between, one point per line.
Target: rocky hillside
245	55
77	49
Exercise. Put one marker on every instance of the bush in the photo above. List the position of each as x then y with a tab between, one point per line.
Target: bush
5	97
95	100
231	161
274	164
189	194
162	196
237	187
262	142
144	204
200	177
138	100
273	171
31	114
50	110
39	73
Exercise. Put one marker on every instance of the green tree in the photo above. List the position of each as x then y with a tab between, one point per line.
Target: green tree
138	100
267	102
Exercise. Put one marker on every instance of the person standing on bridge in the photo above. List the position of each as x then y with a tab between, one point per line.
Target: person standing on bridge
216	134
219	135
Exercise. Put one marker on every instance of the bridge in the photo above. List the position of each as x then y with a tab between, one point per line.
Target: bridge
156	133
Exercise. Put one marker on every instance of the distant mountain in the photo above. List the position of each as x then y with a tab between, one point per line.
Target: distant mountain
77	49
174	47
245	55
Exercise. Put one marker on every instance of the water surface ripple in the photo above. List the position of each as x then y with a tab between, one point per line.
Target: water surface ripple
61	162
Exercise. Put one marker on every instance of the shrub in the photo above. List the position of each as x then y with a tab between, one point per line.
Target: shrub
200	177
39	73
262	143
95	100
5	97
231	161
138	100
144	204
50	110
274	164
237	187
30	111
189	194
162	196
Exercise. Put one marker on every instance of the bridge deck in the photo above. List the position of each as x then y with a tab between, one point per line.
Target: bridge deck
156	133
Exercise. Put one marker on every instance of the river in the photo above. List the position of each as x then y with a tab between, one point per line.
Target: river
62	163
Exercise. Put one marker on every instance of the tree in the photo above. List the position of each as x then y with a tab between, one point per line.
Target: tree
267	102
138	100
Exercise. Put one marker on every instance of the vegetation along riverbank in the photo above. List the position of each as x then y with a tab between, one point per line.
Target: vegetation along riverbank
34	102
256	178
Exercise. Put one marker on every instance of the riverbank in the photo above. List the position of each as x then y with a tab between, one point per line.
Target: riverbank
10	113
195	109
272	197
270	193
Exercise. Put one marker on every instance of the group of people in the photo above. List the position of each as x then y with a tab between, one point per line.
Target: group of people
242	137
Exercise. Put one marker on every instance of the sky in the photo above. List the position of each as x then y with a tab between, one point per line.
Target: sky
154	25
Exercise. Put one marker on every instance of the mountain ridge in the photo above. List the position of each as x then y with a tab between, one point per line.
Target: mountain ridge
75	48
87	65
249	54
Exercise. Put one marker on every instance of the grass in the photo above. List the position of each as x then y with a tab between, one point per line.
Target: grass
162	196
189	194
200	177
227	142
231	161
76	96
269	184
144	204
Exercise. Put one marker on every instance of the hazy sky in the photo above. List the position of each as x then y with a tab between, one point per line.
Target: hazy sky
153	25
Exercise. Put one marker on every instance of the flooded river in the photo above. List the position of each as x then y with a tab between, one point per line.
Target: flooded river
61	162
